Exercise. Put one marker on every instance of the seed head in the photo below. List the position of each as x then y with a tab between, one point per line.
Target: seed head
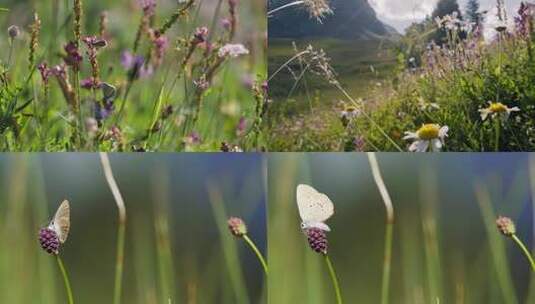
13	31
49	240
236	226
505	225
317	239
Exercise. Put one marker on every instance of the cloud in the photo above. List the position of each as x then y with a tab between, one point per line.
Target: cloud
401	13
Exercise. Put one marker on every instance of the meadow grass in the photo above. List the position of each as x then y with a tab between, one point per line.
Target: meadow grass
306	107
180	96
448	83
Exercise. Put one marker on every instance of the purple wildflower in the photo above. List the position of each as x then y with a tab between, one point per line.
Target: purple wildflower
193	138
136	66
73	57
90	83
160	45
148	6
45	72
49	240
200	35
317	240
359	144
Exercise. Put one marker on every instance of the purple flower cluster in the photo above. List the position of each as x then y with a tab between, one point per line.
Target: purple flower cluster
317	240
135	65
148	6
524	20
49	240
73	58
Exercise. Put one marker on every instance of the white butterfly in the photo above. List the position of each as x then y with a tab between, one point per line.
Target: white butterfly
61	222
314	208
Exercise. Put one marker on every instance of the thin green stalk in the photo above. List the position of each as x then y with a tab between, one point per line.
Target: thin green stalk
387	261
65	280
385	284
497	135
257	252
334	280
525	251
11	45
119	263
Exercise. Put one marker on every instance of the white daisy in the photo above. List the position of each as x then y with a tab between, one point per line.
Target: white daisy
350	112
232	50
428	135
497	109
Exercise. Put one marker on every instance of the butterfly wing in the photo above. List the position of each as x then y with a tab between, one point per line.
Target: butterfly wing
108	91
62	222
314	207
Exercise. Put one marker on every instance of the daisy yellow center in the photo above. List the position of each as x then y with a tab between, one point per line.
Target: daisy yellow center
497	107
350	109
428	131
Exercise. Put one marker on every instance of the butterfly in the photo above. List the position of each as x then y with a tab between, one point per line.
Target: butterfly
61	222
314	207
108	91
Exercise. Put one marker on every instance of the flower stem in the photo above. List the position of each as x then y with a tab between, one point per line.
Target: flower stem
389	225
525	251
121	229
257	252
65	279
334	280
497	139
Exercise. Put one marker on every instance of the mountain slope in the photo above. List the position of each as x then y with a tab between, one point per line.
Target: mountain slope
352	19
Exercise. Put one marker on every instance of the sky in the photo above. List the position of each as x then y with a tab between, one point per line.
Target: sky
401	13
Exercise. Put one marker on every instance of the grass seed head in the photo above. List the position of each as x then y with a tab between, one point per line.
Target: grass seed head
505	225
13	31
237	227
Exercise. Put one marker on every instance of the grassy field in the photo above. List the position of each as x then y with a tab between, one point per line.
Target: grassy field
445	244
178	248
306	111
182	94
453	86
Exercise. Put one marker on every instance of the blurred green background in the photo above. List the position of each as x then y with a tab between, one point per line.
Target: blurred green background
446	248
177	242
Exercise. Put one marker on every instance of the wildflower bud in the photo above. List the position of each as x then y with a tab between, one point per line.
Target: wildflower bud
317	239
506	226
13	31
237	227
200	35
49	240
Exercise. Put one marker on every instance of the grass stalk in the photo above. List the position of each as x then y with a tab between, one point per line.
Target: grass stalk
525	251
334	279
496	245
387	261
119	264
65	280
257	252
497	128
271	12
